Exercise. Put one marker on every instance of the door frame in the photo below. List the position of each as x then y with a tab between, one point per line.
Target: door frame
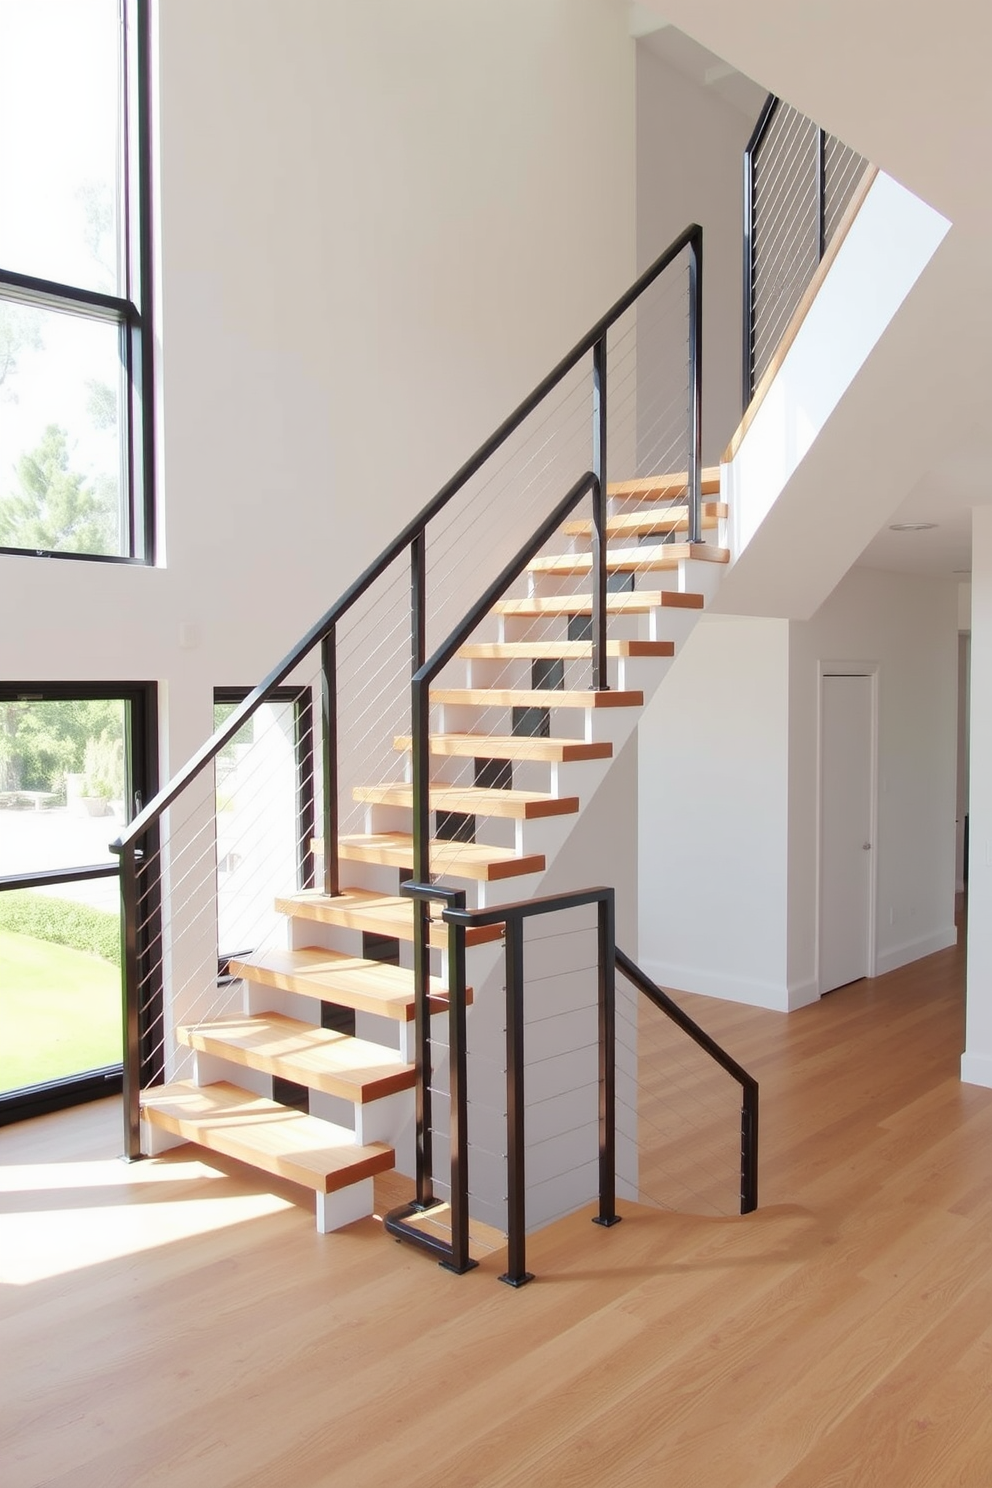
869	669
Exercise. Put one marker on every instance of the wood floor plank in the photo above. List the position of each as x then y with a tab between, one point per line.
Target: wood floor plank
180	1321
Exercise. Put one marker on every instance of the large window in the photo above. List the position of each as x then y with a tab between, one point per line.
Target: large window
75	375
75	763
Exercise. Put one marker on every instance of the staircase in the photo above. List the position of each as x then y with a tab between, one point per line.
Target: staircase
519	742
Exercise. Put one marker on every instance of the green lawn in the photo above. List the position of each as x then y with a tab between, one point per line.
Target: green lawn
60	1011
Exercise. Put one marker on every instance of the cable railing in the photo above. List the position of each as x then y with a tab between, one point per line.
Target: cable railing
199	881
798	182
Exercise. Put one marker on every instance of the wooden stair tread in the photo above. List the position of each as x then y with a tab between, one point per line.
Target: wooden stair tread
336	1063
281	1141
535	697
560	650
377	914
332	976
661	558
473	860
512	747
664	487
648	523
640	602
474	801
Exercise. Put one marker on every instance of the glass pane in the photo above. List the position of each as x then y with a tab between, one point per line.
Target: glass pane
63	783
257	829
60	983
60	433
60	140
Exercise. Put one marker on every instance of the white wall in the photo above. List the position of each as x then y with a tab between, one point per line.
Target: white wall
907	627
728	845
690	145
976	1065
714	815
374	237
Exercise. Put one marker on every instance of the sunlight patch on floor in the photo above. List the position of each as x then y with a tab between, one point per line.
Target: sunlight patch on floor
56	1218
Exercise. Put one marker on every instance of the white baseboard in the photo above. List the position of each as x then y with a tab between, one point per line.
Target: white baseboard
976	1069
913	950
772	995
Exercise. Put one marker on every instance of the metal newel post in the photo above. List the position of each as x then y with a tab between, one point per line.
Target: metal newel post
516	1273
821	193
695	387
329	754
457	1072
607	1062
599	539
130	994
749	1150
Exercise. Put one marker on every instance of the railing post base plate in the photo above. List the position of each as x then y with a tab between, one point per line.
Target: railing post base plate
458	1270
607	1222
516	1281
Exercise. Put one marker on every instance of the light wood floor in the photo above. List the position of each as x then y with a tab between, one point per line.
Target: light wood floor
174	1323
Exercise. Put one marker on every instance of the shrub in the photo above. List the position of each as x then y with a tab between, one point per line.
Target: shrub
96	931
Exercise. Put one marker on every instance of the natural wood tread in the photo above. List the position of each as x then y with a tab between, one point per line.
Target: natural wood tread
376	914
662	558
648	523
472	860
560	650
331	976
512	747
518	805
352	1068
664	487
536	697
640	602
279	1140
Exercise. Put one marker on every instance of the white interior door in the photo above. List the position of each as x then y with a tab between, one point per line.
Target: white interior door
846	826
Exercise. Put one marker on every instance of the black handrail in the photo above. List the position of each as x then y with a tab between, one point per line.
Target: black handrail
323	633
749	1085
691	238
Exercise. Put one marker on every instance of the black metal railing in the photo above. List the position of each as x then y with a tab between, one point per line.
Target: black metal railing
149	847
798	181
513	917
454	1254
748	1084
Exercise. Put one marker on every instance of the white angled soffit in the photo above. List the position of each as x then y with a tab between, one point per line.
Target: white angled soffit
783	505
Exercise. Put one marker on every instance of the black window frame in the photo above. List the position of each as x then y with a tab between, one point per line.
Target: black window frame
142	751
130	312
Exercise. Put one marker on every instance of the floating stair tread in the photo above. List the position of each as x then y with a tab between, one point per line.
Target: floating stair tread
649	523
377	914
473	860
560	650
352	1068
350	981
664	487
541	697
662	558
640	602
281	1141
474	801
512	747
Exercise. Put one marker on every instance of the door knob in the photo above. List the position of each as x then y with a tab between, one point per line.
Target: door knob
866	847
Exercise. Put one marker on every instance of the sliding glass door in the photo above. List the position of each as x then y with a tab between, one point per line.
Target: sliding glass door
75	763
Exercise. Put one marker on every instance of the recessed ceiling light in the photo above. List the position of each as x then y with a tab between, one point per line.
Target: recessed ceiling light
911	526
